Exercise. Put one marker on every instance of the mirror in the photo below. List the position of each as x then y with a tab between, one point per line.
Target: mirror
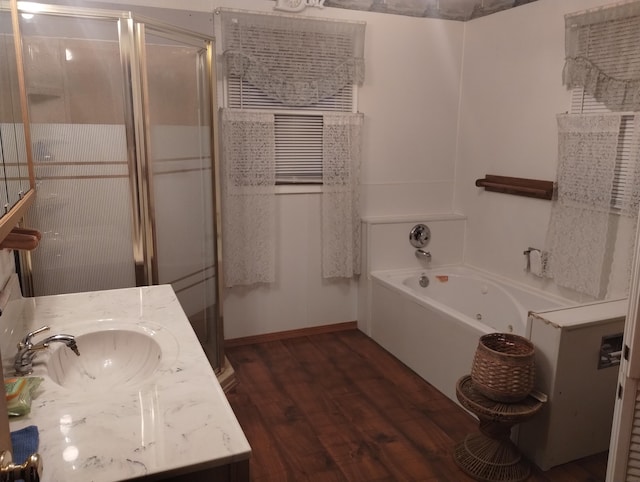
16	181
10	115
12	144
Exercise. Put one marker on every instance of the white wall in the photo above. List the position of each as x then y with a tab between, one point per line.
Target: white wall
300	297
511	92
410	101
388	245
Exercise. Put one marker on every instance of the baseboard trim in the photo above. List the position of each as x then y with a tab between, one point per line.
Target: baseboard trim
283	335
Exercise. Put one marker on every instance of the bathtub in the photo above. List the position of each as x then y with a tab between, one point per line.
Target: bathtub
435	329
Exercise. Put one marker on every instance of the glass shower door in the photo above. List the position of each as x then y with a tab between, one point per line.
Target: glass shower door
179	154
122	132
75	86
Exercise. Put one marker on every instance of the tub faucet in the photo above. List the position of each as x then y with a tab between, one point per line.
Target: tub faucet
423	255
27	351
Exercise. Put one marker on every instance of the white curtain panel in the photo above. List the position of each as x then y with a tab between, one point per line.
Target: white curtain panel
248	197
340	195
579	224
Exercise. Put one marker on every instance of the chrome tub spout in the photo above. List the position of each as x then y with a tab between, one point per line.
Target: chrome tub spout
423	255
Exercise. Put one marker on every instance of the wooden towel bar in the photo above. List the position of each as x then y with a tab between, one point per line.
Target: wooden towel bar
518	186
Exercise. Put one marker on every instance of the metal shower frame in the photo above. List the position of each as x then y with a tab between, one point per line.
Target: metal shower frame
131	36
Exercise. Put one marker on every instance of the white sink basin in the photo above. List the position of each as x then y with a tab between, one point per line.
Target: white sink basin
109	359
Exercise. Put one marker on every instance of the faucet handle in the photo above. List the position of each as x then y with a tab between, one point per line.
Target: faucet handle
27	339
29	471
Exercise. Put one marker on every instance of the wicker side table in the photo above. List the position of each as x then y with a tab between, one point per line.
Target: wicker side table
489	455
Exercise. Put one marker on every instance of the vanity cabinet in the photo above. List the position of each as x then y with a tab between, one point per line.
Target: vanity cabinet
160	416
5	438
574	368
235	472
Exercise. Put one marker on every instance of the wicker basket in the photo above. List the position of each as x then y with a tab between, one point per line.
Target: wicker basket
503	367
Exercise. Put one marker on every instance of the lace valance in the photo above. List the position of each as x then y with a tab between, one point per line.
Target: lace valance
602	52
297	61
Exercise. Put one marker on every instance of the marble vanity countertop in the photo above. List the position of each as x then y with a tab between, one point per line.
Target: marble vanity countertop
175	421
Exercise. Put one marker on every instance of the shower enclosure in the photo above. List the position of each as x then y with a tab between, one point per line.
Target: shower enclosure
124	141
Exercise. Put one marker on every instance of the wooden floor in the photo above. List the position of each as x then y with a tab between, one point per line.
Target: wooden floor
338	407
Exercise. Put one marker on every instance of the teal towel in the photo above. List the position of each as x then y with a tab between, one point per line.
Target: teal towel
25	442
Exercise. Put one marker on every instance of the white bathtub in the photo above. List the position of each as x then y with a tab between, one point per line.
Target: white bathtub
435	330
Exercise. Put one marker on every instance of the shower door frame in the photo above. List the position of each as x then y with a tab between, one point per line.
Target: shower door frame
131	38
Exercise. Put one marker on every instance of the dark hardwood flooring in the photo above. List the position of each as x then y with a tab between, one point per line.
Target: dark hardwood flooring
338	407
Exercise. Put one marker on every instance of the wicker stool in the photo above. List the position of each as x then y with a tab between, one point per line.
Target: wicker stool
490	455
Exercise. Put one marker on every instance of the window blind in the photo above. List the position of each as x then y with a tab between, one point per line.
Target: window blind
628	147
241	94
298	132
298	149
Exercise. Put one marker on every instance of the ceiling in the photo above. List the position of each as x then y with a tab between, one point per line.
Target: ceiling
445	9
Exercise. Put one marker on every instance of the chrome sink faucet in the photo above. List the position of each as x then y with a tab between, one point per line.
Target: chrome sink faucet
27	351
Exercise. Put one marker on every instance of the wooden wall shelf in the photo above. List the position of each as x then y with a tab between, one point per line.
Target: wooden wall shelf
517	186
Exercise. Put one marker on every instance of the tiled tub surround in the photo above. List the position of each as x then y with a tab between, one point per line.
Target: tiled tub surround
176	421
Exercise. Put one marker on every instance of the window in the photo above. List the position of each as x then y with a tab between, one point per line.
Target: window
296	68
624	175
298	131
289	97
597	152
602	68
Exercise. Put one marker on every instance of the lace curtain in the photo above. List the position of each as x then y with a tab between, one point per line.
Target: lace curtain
248	197
340	195
579	223
602	55
297	61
